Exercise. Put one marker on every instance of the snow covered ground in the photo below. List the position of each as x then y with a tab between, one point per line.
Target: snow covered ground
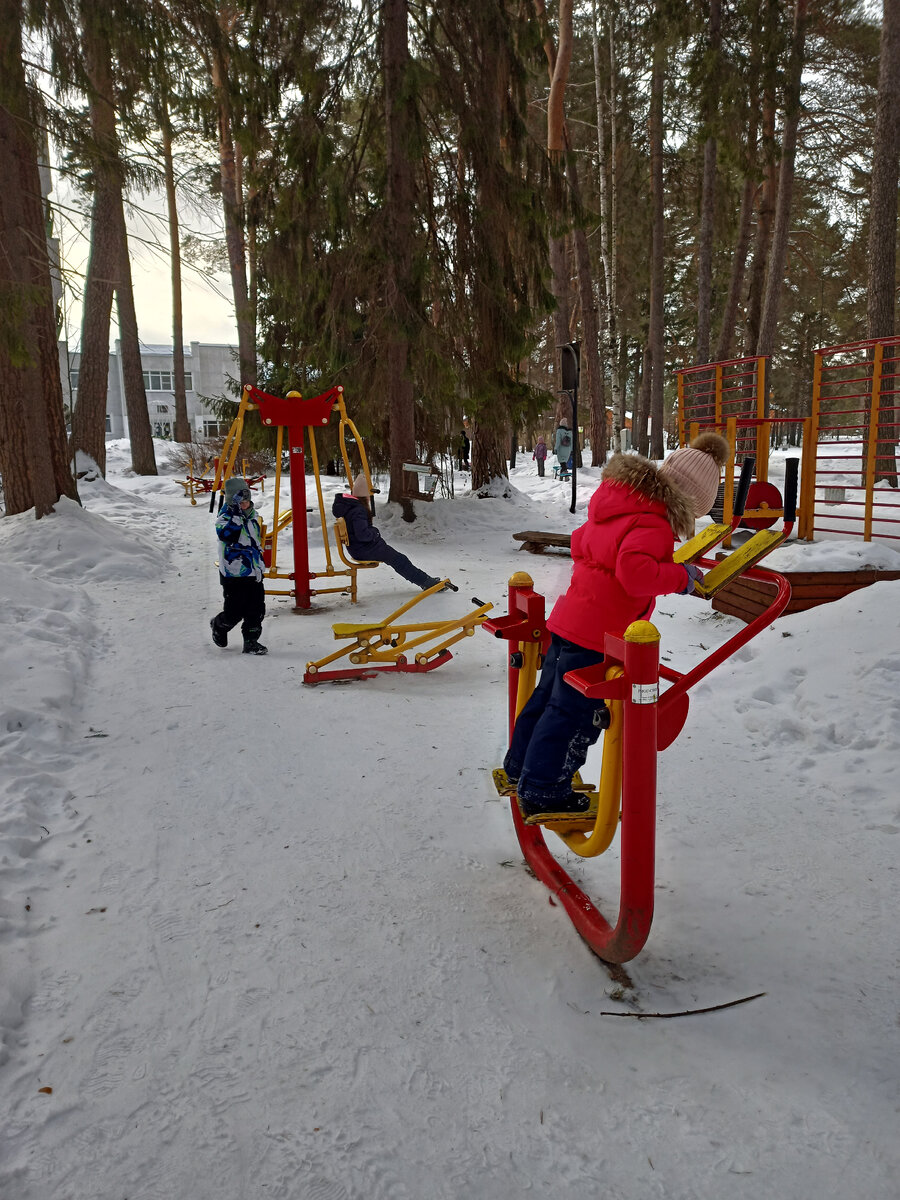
264	940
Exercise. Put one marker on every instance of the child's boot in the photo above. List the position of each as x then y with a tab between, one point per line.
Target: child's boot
219	632
252	644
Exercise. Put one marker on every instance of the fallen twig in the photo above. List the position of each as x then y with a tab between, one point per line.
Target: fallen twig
686	1012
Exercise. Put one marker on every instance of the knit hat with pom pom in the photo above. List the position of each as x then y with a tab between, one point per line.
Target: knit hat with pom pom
361	487
695	469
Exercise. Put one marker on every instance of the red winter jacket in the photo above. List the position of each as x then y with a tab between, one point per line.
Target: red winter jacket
623	553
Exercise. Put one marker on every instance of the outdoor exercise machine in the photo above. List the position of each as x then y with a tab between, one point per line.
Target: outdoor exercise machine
204	483
643	722
380	647
296	420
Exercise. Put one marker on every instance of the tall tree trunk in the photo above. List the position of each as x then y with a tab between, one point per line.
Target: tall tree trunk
708	188
768	194
657	334
399	200
778	255
559	58
33	458
600	432
182	425
89	415
143	460
232	210
616	379
883	223
742	245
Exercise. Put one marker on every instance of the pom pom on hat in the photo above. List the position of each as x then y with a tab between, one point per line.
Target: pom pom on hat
361	487
234	485
695	470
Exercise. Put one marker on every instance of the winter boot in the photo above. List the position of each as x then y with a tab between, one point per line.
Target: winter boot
252	644
219	632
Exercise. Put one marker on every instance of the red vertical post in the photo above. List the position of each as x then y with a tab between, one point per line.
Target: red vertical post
297	460
639	740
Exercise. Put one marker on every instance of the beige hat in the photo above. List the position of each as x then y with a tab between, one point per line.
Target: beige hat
695	470
361	487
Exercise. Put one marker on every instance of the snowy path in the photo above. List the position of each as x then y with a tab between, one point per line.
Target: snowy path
280	941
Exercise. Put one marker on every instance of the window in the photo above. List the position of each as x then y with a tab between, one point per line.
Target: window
162	429
108	423
162	408
214	428
164	381
73	380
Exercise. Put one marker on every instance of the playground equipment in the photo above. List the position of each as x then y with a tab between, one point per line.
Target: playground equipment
643	723
300	418
731	398
420	481
380	647
849	440
853	441
202	484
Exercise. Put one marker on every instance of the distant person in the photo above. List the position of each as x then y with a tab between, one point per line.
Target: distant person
562	448
240	568
462	451
540	456
622	560
367	543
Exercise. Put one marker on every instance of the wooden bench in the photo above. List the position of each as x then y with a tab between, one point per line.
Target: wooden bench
747	598
537	542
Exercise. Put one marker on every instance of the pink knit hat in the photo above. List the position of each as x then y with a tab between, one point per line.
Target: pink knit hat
361	487
695	470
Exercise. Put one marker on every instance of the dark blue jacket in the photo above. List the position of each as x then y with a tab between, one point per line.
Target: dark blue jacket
362	534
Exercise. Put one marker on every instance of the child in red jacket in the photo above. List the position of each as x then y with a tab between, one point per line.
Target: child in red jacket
622	561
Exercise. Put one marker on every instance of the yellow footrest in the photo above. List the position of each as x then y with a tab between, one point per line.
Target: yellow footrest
348	631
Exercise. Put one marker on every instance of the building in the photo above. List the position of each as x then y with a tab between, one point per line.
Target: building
208	371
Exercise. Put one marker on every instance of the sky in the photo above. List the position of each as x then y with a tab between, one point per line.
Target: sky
208	310
263	940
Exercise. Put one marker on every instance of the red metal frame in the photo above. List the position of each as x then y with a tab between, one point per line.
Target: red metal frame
370	670
650	724
295	414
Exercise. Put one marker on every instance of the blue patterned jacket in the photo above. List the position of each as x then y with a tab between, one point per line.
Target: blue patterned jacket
240	551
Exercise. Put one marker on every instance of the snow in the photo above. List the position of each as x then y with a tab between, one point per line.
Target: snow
266	940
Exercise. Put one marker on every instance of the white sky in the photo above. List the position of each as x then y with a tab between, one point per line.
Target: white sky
208	311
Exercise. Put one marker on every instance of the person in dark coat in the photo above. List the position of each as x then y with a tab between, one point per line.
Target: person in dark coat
462	451
622	560
366	543
540	455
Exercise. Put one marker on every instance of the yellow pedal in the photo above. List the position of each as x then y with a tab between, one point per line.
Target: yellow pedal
504	785
567	822
763	542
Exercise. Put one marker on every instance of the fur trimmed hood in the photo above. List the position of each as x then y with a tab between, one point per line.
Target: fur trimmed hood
641	475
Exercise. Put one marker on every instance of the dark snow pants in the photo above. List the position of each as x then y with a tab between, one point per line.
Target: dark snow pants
382	552
555	729
245	602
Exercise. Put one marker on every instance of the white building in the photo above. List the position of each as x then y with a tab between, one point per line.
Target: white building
208	370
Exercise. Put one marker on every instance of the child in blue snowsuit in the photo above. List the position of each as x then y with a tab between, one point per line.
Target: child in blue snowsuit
367	543
240	568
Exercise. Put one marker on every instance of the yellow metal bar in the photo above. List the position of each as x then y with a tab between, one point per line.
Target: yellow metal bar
807	482
314	454
531	653
276	515
874	412
815	421
609	792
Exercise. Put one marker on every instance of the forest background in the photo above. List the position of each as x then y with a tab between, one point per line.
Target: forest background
424	202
